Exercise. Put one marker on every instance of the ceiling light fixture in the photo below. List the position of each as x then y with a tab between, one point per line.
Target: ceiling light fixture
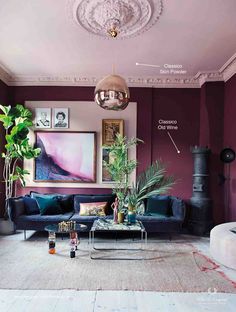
112	93
115	18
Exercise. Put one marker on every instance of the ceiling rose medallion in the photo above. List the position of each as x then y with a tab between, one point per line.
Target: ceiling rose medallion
115	18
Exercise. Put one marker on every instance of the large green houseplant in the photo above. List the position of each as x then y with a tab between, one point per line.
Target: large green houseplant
120	166
153	181
16	122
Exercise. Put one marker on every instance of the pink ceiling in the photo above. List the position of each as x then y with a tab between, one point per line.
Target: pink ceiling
38	38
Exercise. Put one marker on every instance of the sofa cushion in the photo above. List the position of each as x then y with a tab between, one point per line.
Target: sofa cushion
109	198
16	207
31	205
49	205
65	201
93	209
158	204
36	194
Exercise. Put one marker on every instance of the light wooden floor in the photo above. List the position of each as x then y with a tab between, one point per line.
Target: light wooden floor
119	301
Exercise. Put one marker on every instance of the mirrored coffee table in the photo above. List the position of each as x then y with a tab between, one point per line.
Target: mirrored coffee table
108	226
54	229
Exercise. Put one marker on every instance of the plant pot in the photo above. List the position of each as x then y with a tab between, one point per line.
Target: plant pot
121	217
7	227
131	216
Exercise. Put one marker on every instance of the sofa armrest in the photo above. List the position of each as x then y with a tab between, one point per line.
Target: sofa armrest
178	208
16	207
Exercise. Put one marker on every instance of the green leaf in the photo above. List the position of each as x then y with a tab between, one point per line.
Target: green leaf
6	120
14	112
5	109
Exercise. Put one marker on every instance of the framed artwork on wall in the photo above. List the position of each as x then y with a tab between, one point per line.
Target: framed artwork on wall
106	177
110	127
61	118
66	157
43	118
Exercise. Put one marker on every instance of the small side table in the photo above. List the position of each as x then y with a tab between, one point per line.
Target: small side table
53	229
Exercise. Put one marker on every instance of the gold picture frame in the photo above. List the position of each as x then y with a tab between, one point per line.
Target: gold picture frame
110	127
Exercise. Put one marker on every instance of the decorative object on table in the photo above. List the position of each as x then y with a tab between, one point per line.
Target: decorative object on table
200	220
114	206
60	118
121	167
16	122
66	157
66	226
131	216
42	118
115	19
110	128
153	181
112	93
121	217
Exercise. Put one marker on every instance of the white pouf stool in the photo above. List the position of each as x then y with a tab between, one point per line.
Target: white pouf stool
223	244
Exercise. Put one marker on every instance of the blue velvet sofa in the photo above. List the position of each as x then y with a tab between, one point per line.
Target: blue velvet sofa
161	214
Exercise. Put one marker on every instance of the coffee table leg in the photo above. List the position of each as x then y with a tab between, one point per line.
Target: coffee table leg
52	242
73	243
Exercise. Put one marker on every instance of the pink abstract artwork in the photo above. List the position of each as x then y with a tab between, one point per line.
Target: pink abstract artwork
66	156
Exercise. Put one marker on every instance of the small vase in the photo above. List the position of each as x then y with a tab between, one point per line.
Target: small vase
131	216
121	217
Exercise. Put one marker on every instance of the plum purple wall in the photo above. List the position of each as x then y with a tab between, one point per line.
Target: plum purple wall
211	135
198	112
230	141
181	105
3	101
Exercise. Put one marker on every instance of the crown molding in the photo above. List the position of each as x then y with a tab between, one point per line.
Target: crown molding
229	68
208	76
223	74
4	75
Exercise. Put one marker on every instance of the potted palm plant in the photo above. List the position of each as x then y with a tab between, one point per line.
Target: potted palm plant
153	181
16	122
120	168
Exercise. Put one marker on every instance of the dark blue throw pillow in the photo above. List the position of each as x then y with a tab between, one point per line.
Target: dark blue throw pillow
49	205
159	204
66	203
31	205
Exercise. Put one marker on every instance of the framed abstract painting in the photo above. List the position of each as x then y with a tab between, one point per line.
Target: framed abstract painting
66	157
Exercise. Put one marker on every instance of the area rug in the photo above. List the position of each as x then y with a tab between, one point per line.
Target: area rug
167	267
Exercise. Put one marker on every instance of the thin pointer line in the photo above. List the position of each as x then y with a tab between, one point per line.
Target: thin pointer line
150	65
178	151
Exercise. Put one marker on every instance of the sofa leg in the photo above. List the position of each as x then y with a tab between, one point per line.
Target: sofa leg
170	236
24	234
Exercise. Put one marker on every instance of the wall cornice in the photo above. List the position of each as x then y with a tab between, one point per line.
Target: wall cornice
223	74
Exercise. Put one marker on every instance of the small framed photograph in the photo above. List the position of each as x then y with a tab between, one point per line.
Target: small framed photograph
106	157
60	118
42	118
110	127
